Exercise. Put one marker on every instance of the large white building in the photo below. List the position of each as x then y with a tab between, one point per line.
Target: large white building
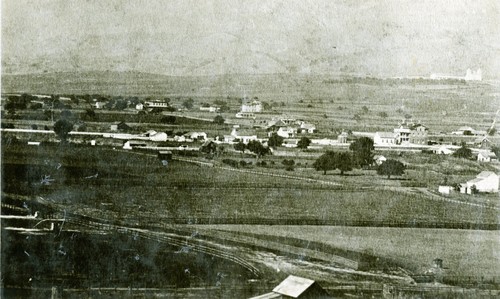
251	107
486	181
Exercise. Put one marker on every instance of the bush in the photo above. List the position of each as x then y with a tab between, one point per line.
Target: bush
231	162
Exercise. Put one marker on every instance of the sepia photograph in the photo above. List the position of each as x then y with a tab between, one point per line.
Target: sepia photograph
250	149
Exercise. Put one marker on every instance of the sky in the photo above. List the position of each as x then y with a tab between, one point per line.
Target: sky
385	38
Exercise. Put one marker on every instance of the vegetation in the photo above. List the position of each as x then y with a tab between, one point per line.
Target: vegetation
362	150
219	120
62	128
257	148
391	167
275	140
332	160
303	143
463	152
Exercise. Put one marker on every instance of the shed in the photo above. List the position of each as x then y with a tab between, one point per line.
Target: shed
165	155
296	287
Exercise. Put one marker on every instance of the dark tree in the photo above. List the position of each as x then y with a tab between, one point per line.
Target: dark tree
90	114
463	152
391	167
303	143
219	120
275	140
240	146
325	162
362	151
169	119
365	110
62	128
492	131
257	148
383	114
66	114
188	104
343	162
121	105
289	164
356	117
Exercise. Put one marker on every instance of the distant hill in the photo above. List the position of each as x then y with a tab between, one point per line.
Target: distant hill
142	84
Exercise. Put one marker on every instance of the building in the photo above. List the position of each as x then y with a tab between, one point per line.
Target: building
445	190
210	109
251	107
250	115
486	181
442	150
402	135
487	156
196	135
156	104
468	131
482	142
342	138
296	287
419	134
286	132
473	76
384	138
242	135
306	128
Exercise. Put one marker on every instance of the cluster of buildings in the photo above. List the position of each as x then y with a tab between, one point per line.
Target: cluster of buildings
405	134
469	76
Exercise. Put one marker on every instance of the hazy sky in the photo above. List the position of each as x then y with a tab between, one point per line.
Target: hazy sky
376	37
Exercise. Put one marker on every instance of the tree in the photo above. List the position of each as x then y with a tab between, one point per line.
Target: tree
188	104
492	131
240	146
383	114
365	110
303	143
362	151
219	120
169	119
343	162
463	152
391	167
356	117
275	140
62	128
257	148
325	162
289	164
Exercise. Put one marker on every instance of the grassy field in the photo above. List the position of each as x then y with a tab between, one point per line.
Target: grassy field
464	252
131	185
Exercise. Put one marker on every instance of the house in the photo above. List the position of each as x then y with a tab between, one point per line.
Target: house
384	138
442	150
286	132
251	106
445	190
402	135
139	106
418	134
130	144
487	156
209	109
468	131
249	115
196	135
482	142
156	104
379	159
165	155
306	128
486	181
242	135
98	105
296	287
290	143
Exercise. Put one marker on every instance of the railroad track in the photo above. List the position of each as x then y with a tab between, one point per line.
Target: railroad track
187	243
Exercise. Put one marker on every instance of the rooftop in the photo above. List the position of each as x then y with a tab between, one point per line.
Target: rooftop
293	286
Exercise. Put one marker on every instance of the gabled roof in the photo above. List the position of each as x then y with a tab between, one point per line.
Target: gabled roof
486	174
488	154
293	286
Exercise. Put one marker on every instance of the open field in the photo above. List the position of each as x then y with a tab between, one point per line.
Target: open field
474	253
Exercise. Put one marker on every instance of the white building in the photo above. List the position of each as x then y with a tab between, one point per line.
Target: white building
211	109
486	156
156	104
486	181
379	159
251	107
402	135
286	132
473	76
244	136
384	138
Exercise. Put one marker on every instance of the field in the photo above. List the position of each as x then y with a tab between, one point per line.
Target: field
132	185
474	253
